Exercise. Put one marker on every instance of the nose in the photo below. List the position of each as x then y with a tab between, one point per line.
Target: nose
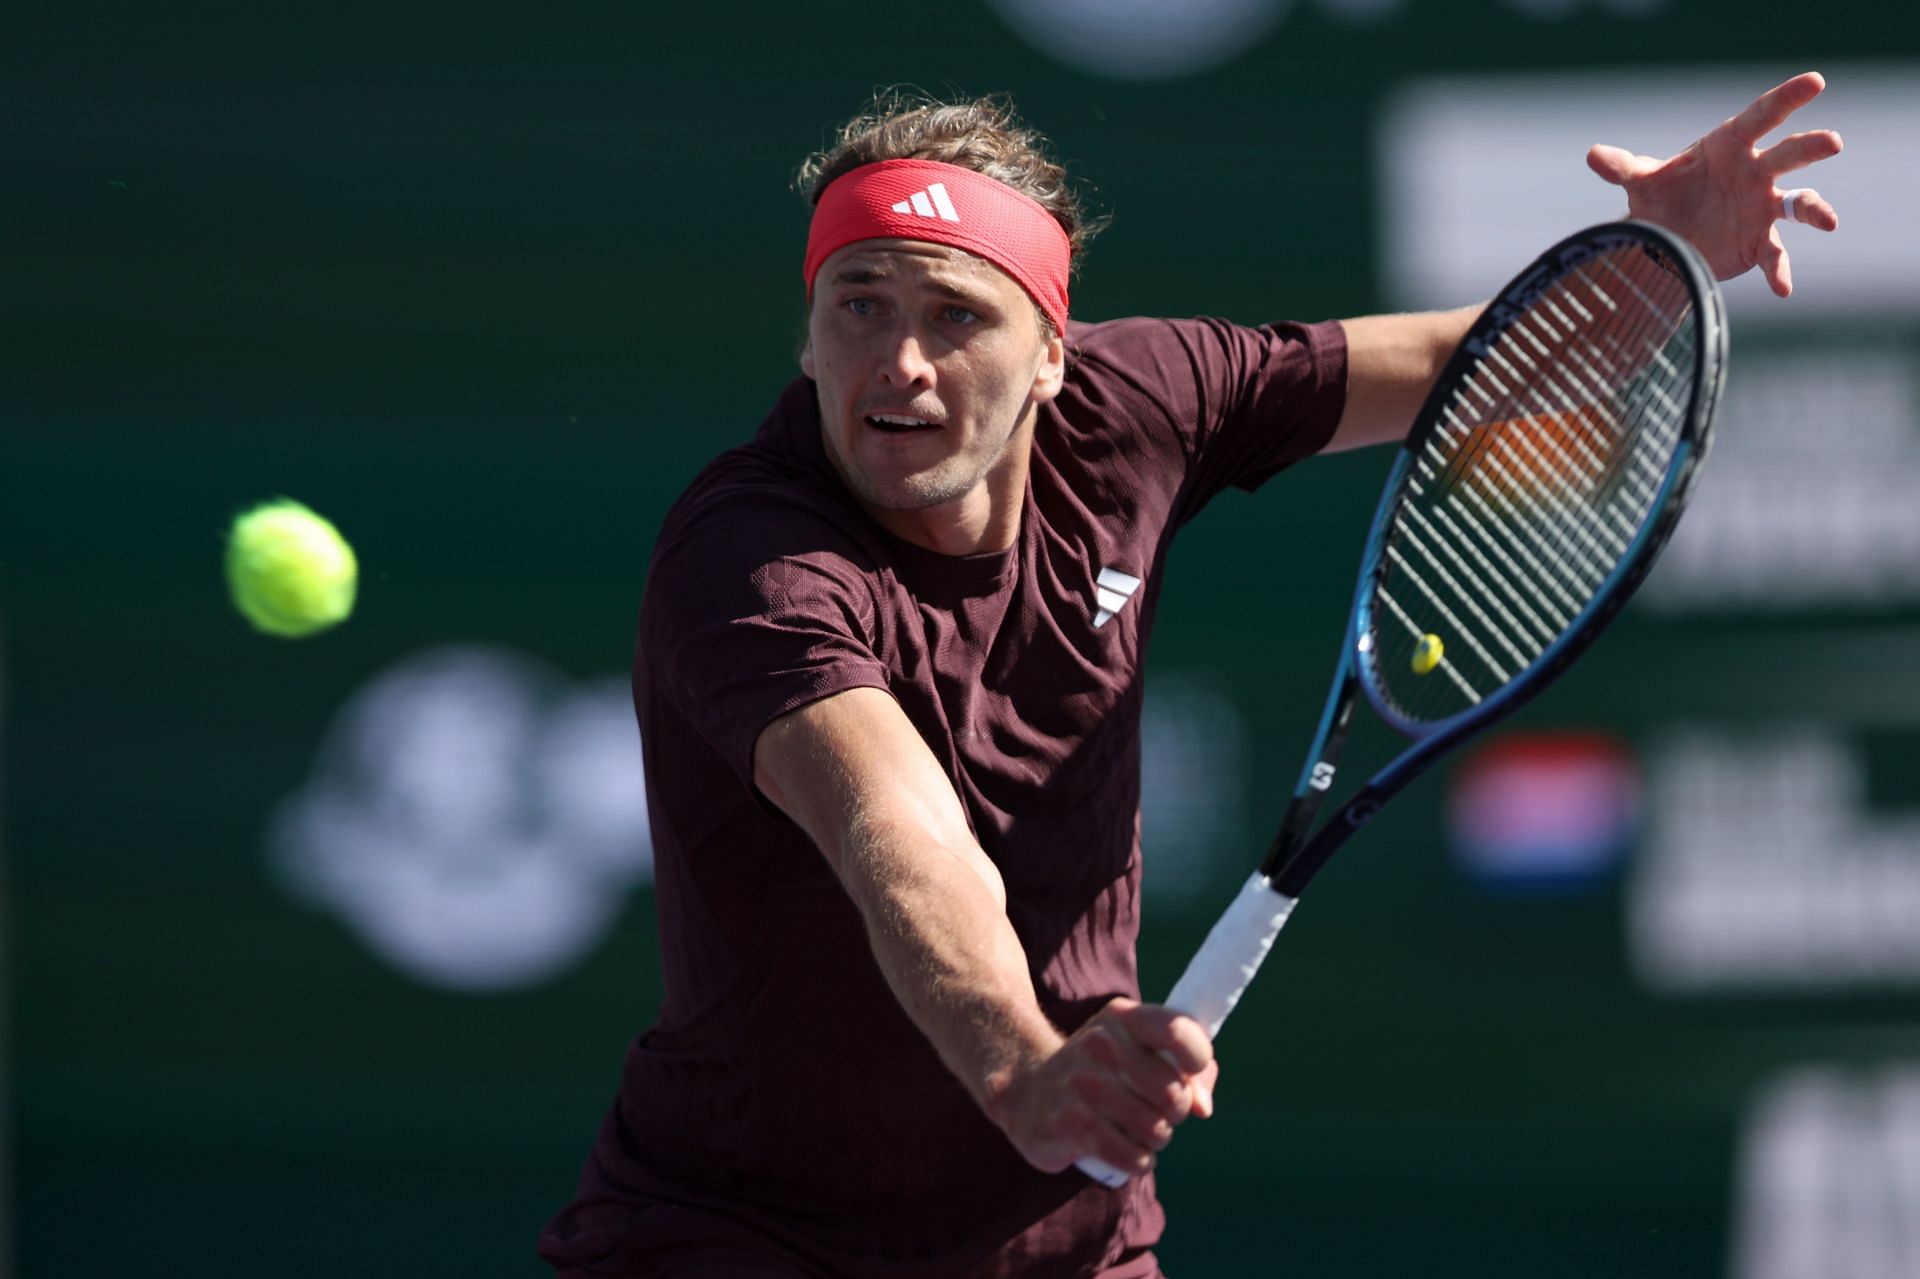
904	362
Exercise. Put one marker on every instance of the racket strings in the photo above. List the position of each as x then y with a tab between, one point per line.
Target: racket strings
1581	388
1489	582
1544	465
1571	568
1530	461
1455	626
1541	384
1451	669
1575	478
1578	563
1432	467
1543	485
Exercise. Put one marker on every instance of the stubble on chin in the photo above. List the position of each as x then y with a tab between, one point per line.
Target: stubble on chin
945	482
914	492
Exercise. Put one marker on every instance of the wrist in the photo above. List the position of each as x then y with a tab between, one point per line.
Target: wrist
1006	1077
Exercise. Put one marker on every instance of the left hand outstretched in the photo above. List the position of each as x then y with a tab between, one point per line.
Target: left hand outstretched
1719	193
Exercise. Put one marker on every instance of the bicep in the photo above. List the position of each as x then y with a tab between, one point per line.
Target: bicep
855	775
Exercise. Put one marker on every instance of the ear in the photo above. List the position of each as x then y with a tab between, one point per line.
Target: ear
806	359
1047	379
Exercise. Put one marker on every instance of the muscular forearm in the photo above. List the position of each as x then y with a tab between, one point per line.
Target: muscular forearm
936	918
852	772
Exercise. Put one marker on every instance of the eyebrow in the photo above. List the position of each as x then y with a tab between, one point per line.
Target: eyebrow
876	275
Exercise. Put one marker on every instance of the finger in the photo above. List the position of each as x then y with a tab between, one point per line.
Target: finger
1187	1045
1771	109
1118	1108
1149	1075
1203	1086
1774	264
1157	1082
1618	165
1800	150
1806	205
1093	1135
1162	1030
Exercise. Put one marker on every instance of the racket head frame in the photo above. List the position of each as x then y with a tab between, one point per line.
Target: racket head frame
1295	855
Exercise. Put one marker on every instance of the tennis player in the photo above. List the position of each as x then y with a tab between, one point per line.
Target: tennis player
889	683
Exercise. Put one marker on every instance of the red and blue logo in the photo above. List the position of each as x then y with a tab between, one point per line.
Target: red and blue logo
1544	810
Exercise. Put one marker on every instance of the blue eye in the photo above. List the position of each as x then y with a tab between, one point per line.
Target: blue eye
860	306
959	315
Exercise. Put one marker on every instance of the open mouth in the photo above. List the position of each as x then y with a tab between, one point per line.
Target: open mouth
899	423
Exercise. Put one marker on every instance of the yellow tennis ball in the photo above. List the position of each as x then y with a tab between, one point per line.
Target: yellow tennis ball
290	571
1427	654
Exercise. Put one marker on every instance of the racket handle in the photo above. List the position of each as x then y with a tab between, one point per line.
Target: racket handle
1223	967
1219	973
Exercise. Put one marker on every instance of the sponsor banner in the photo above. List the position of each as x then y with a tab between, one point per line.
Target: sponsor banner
1829	1178
1477	173
1765	869
1539	810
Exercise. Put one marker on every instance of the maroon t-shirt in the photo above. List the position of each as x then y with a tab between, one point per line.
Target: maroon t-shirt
784	1102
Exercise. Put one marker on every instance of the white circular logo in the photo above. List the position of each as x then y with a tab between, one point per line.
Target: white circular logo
474	817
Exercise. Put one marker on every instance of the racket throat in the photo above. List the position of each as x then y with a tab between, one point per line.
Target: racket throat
1292	866
1316	777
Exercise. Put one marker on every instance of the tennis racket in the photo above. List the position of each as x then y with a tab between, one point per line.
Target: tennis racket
1548	467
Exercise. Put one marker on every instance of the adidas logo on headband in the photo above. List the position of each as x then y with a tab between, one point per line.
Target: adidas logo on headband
886	200
924	203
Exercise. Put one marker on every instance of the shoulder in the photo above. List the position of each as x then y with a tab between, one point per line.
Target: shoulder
738	527
760	529
776	494
1198	364
1140	373
1110	348
1152	359
1150	337
1145	346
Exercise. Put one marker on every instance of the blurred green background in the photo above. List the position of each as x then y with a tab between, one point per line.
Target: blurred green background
487	285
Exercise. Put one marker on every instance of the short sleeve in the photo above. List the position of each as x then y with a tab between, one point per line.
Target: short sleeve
753	611
1238	403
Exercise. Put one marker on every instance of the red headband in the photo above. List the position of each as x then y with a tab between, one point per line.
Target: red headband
946	204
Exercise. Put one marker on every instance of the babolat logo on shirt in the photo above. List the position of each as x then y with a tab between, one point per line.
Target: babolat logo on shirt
930	202
1111	591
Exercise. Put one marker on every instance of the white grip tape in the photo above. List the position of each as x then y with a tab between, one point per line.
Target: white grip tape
1219	973
1104	1173
1225	963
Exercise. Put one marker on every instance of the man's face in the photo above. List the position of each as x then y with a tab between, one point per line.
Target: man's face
930	363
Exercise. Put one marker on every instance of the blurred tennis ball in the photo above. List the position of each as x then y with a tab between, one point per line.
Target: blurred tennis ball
1427	654
290	571
1520	462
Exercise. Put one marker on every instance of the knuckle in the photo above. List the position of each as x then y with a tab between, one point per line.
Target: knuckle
1086	1085
1193	1040
1103	1049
